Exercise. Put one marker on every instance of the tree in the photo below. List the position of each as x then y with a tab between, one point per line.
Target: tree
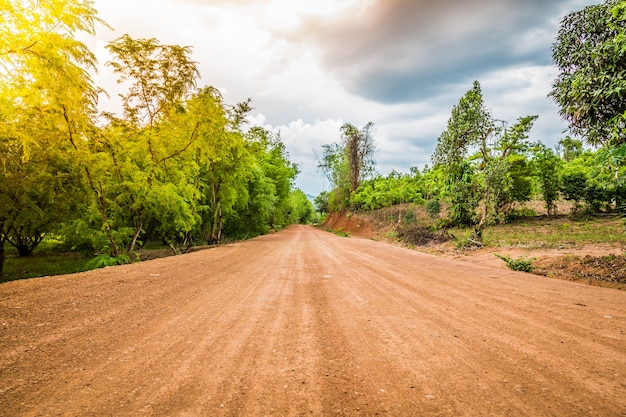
43	66
591	86
348	163
152	135
359	149
160	77
471	128
301	210
574	187
47	103
547	166
571	148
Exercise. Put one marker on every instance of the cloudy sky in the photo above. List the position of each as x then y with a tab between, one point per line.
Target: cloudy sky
312	65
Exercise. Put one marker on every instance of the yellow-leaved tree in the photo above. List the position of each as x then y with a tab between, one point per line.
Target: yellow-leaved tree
47	105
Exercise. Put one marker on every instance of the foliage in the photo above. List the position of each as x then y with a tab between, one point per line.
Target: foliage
433	208
380	192
301	210
546	165
574	186
359	148
47	101
103	261
488	171
591	86
571	148
347	164
176	166
321	202
523	263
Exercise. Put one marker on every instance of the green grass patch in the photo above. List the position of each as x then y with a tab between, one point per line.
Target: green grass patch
44	264
544	232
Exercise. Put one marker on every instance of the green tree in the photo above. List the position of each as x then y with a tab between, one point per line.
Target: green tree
348	163
334	165
47	103
140	148
301	210
472	137
519	180
570	148
270	187
547	167
574	187
591	86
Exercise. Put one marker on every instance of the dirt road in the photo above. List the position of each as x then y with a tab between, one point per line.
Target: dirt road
307	323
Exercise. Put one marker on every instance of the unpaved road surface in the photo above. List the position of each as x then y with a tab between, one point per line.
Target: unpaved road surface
307	323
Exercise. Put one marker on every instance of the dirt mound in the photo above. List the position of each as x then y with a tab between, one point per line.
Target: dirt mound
349	224
595	269
416	235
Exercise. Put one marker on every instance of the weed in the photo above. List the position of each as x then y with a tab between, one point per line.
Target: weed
102	261
522	263
467	241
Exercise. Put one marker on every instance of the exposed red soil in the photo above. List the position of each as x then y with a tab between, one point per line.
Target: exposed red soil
304	322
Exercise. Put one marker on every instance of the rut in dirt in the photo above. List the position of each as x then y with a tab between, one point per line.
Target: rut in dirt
304	322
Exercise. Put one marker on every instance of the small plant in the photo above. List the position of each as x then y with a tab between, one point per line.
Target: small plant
433	208
410	218
467	241
522	263
102	261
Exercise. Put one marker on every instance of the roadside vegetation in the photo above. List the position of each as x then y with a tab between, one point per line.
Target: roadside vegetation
180	167
486	173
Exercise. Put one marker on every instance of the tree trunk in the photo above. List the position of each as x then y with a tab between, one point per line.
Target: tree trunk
137	232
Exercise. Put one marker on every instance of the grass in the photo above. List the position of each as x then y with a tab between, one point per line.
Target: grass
559	232
43	264
50	258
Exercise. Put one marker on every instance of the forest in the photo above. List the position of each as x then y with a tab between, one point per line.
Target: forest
181	167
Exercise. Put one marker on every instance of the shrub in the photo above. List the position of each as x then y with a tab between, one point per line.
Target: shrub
410	218
522	263
102	261
433	208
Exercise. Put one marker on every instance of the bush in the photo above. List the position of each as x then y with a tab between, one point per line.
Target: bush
522	263
433	208
102	261
410	218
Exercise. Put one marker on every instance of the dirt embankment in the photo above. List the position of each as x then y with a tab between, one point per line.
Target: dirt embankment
597	264
304	322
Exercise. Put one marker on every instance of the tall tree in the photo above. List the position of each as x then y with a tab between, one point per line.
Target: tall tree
547	166
47	103
348	163
151	134
472	135
591	86
359	148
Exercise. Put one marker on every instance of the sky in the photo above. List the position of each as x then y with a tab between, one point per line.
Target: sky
310	66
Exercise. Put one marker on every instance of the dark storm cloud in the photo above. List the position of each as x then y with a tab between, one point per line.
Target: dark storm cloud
403	50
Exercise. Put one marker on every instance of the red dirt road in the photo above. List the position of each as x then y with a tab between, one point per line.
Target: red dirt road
303	322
